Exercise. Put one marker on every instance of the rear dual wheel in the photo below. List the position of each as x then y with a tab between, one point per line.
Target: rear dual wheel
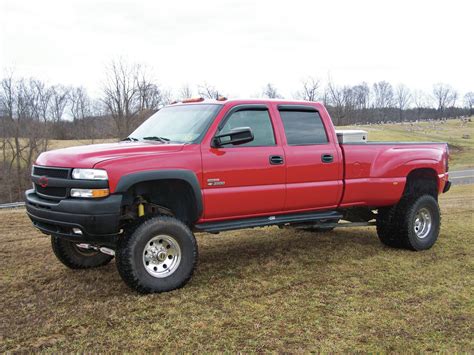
413	223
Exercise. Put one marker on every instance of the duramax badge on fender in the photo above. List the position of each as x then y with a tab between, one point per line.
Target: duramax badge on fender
212	166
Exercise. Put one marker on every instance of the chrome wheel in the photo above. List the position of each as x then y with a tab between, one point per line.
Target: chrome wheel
423	222
161	256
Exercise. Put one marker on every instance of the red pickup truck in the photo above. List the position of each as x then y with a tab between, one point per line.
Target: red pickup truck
212	166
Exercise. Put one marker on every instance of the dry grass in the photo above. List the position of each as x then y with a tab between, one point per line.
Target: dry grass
254	290
450	131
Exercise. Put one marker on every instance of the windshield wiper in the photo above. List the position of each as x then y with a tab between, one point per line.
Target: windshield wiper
131	139
156	138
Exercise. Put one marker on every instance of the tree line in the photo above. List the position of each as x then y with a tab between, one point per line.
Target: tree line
381	102
32	113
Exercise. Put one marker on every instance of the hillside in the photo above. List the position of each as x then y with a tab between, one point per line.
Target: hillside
450	131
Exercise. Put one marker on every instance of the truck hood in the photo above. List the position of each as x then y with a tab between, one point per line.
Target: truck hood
87	156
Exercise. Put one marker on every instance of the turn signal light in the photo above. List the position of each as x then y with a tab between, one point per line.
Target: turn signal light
90	193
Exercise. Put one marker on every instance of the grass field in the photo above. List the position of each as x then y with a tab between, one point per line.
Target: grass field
254	290
450	131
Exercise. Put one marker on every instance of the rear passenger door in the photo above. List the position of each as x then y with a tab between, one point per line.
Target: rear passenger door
313	163
246	179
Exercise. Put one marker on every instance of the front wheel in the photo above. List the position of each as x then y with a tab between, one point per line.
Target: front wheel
75	257
158	256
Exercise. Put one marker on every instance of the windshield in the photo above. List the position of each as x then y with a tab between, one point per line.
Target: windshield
182	124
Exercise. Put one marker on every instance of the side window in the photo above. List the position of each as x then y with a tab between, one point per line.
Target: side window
303	127
260	123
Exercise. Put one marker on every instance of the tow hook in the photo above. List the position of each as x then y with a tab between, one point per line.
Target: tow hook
103	250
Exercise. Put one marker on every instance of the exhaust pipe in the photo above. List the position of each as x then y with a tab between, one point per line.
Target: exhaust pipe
103	250
107	251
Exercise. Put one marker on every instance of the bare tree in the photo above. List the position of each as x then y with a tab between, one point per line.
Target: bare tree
149	94
44	94
309	91
334	97
80	104
383	97
18	105
22	131
383	92
271	92
166	97
402	99
362	96
7	102
185	92
445	96
469	102
208	91
421	101
120	95
81	108
128	95
59	101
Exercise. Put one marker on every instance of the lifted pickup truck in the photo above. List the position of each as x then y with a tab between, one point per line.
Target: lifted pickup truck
212	166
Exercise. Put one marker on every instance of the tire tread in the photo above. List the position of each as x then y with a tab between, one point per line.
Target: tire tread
394	223
124	253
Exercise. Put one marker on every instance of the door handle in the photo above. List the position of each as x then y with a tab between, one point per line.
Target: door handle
276	159
327	158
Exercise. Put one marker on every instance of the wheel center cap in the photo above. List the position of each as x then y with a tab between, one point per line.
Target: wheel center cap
161	256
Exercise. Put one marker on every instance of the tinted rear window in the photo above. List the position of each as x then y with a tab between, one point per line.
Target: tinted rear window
303	127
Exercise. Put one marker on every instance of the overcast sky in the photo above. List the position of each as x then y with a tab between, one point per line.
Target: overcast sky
241	45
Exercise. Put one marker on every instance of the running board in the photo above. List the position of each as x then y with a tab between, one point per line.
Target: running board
214	227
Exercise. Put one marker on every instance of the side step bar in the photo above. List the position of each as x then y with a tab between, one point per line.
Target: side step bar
214	227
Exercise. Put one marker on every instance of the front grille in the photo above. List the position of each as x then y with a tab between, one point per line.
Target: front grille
53	191
51	172
55	183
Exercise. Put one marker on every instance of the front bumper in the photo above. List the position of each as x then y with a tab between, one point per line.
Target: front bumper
99	220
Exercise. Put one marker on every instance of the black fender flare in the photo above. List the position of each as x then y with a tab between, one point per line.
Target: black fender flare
187	176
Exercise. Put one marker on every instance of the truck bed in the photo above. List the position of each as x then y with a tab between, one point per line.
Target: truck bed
375	172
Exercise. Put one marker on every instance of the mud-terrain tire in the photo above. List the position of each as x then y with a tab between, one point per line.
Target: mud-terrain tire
386	228
414	223
77	258
159	255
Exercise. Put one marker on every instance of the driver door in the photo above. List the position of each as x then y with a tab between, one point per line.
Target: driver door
248	179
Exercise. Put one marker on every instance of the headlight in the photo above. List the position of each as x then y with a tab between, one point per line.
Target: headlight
89	193
89	174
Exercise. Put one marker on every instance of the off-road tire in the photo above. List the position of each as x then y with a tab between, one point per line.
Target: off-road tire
386	227
129	255
77	258
395	226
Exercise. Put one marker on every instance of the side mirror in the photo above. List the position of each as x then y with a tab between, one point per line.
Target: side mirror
236	136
